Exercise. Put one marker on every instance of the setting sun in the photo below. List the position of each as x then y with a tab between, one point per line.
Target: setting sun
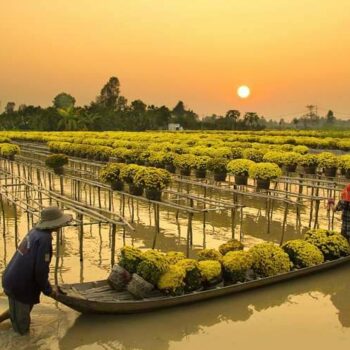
243	91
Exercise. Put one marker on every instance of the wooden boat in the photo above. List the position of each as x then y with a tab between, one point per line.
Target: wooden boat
99	297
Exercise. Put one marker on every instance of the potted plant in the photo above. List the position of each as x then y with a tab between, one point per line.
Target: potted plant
127	174
273	157
111	174
263	173
169	158
153	180
157	159
200	166
8	150
218	166
56	162
240	169
289	161
185	162
329	163
309	163
253	154
344	165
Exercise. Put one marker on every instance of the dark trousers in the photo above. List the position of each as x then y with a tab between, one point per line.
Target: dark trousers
20	315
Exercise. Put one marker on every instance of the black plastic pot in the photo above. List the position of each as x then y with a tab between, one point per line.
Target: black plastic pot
330	172
153	194
241	179
220	176
310	170
347	173
135	190
262	184
290	168
117	185
171	168
200	173
185	172
59	170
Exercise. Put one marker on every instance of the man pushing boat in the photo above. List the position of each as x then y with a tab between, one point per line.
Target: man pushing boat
26	276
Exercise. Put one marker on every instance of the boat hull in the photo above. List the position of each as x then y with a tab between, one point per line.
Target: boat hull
145	305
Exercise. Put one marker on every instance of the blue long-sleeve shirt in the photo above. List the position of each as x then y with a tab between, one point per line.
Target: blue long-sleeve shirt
26	276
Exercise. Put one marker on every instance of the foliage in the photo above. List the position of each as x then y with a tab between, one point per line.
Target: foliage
56	161
269	260
301	149
193	278
130	258
302	253
128	172
239	166
172	281
111	172
264	171
209	254
201	162
308	160
152	178
290	158
332	244
185	161
236	265
253	154
210	271
231	245
217	164
273	157
174	257
152	266
327	160
8	150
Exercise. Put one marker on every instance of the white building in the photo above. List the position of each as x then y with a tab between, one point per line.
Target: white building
174	127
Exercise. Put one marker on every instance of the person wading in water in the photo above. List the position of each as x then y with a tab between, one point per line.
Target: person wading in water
343	206
26	276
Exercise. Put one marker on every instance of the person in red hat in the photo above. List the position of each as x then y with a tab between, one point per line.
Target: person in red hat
344	206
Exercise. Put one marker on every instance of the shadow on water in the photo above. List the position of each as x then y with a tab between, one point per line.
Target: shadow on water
143	331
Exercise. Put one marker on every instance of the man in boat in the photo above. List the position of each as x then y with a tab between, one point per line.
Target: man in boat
343	206
26	276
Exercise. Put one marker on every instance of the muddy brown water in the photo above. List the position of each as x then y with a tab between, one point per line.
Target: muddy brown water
309	312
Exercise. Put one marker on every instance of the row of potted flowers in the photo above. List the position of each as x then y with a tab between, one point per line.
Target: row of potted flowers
140	272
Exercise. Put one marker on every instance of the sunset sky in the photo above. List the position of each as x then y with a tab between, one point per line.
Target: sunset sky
290	53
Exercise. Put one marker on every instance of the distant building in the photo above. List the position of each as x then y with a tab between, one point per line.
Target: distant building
175	127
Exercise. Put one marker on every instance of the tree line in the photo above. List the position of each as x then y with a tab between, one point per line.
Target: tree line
112	111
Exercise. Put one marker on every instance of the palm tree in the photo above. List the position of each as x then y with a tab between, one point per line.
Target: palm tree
69	119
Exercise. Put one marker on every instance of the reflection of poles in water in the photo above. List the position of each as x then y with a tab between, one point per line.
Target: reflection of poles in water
284	224
113	233
81	235
59	232
204	231
101	242
156	224
15	225
241	237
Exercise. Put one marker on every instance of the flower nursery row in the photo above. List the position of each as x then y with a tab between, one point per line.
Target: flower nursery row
8	150
173	274
320	140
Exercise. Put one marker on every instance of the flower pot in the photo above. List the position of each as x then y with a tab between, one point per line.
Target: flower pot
241	179
185	172
200	173
58	171
330	172
262	184
171	168
117	185
139	287
220	176
119	278
310	169
135	190
347	173
153	194
291	168
343	171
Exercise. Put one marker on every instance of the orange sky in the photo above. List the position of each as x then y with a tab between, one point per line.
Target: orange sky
290	52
